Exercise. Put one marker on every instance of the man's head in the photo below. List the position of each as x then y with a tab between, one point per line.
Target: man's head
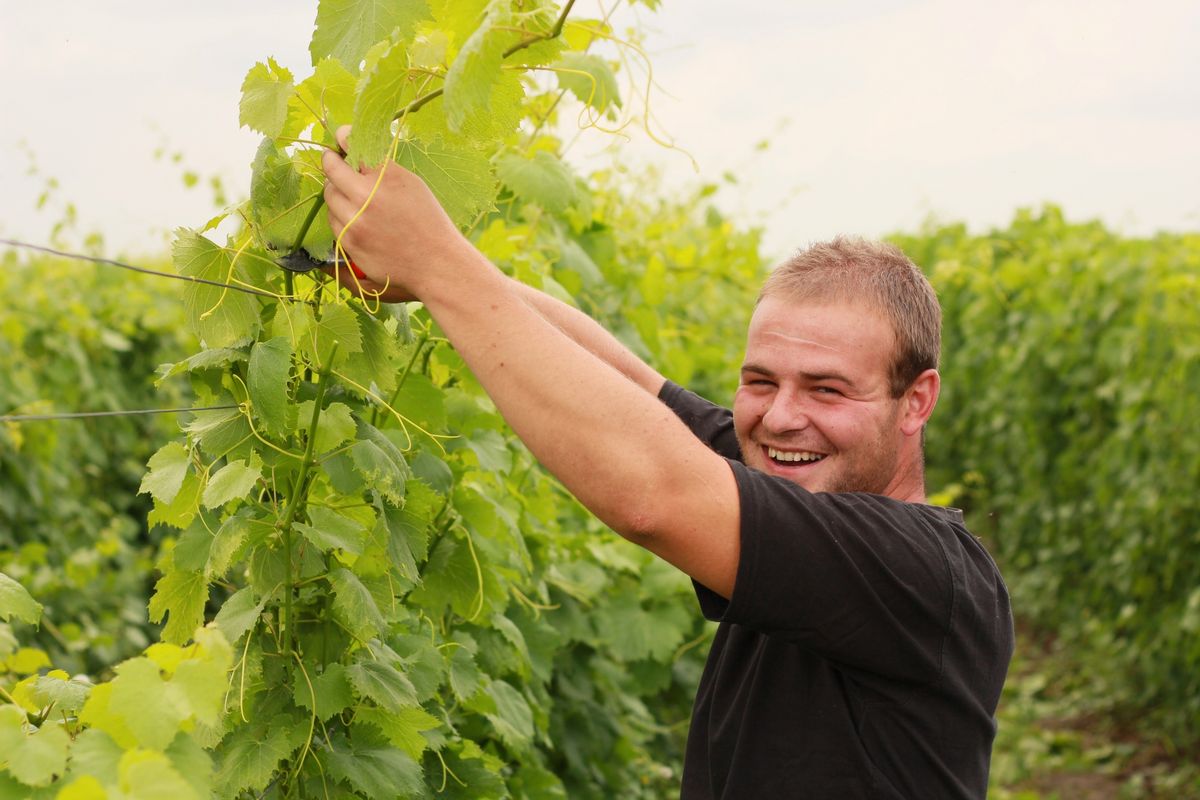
841	370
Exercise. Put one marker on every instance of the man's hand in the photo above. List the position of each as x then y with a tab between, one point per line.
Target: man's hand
400	236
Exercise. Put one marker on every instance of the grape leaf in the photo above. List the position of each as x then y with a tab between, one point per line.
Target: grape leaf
376	360
228	540
354	605
631	633
338	326
330	692
168	467
481	129
329	92
512	718
274	196
182	509
182	595
141	700
38	758
590	78
15	601
265	93
267	381
146	774
235	480
460	177
380	462
249	758
218	315
382	683
335	425
205	359
543	179
66	694
346	29
219	432
469	80
239	613
377	771
402	728
385	89
329	530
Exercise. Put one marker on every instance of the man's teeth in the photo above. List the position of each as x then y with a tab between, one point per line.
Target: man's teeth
795	455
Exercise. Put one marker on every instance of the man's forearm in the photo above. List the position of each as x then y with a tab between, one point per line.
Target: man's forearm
592	336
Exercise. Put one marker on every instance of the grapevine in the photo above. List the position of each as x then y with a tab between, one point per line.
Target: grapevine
369	590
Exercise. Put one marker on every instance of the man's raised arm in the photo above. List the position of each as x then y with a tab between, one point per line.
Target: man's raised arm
584	405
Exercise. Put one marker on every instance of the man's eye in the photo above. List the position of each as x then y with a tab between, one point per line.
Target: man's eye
827	390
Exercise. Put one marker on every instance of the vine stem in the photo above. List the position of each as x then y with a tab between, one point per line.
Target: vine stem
295	500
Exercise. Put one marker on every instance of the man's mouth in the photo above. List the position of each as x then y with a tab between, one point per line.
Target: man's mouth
793	457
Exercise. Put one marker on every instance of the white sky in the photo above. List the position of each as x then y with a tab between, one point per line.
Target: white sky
894	109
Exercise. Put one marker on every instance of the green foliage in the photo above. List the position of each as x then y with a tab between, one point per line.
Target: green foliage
1071	357
405	602
81	337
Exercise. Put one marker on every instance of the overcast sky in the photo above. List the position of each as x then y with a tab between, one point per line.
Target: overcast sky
879	113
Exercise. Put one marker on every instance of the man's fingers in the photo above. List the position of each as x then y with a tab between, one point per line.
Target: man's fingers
341	207
349	181
343	137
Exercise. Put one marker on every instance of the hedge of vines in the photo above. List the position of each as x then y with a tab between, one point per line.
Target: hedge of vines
1068	427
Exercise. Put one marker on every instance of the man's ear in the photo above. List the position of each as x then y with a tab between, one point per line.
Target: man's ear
918	401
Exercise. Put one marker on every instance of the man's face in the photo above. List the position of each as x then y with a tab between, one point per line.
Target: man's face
814	403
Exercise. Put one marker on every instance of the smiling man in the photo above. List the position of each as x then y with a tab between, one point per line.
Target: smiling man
864	635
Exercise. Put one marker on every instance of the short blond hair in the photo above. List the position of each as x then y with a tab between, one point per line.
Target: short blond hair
854	269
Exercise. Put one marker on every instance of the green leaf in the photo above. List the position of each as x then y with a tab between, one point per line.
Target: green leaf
386	88
239	613
330	692
143	703
631	633
249	757
513	719
67	696
459	177
182	594
329	530
590	78
346	29
219	432
329	91
482	129
182	509
95	753
167	467
151	776
218	315
265	93
380	462
37	759
377	771
16	602
232	534
206	359
375	363
383	684
267	381
338	326
469	80
12	727
354	605
233	481
275	186
334	427
544	179
401	728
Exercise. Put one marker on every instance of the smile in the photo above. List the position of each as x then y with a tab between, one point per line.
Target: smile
793	456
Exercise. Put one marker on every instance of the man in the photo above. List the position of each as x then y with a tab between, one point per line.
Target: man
864	635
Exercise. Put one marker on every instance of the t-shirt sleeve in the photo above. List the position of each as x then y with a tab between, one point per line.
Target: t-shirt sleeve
711	423
860	579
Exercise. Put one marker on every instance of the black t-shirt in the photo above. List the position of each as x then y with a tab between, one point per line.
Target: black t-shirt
862	653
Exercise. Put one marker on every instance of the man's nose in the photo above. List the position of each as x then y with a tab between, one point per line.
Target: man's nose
788	412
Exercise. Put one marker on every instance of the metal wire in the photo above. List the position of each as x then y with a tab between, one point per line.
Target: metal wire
123	265
90	414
